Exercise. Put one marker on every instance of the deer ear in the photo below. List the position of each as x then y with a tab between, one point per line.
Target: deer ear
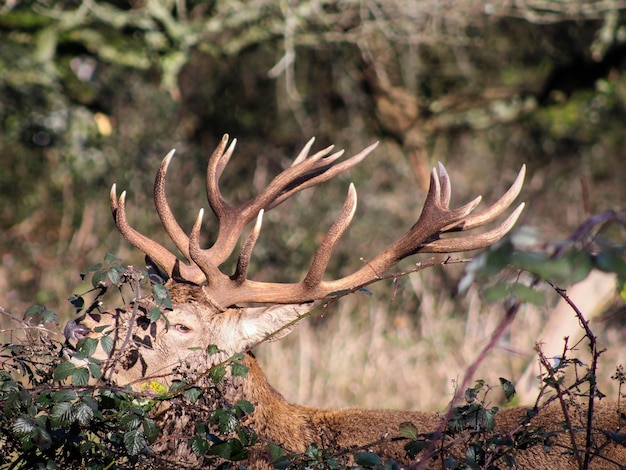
270	323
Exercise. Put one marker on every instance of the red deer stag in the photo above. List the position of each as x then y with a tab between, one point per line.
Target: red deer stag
209	308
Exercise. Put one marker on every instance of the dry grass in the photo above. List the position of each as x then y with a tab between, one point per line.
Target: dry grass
362	356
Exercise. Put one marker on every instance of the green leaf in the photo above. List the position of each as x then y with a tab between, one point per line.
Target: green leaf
528	294
217	373
83	412
62	412
496	292
98	278
94	370
611	262
41	438
64	395
414	447
230	450
245	407
87	347
222	449
80	376
193	393
408	430
212	349
135	441
570	268
114	276
225	420
276	452
199	445
63	371
154	314
162	296
107	343
46	314
23	425
508	388
367	459
150	429
239	370
110	258
91	269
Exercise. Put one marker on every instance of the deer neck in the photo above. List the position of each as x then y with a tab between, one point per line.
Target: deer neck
275	419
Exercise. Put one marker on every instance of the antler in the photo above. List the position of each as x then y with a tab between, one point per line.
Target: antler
424	236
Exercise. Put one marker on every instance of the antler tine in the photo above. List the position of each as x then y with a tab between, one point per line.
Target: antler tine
304	152
201	258
159	254
325	250
489	214
243	262
446	187
328	173
304	173
217	162
473	242
166	215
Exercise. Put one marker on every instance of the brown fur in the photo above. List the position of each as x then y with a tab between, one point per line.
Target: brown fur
174	354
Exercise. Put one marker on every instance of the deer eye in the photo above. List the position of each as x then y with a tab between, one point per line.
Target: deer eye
181	328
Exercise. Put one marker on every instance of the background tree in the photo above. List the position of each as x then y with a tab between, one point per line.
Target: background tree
95	92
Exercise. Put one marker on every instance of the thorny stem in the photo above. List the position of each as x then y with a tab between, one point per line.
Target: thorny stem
593	386
560	394
129	333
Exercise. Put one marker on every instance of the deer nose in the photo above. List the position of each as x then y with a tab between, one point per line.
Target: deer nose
75	331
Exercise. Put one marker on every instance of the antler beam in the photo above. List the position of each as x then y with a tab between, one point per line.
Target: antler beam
425	236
